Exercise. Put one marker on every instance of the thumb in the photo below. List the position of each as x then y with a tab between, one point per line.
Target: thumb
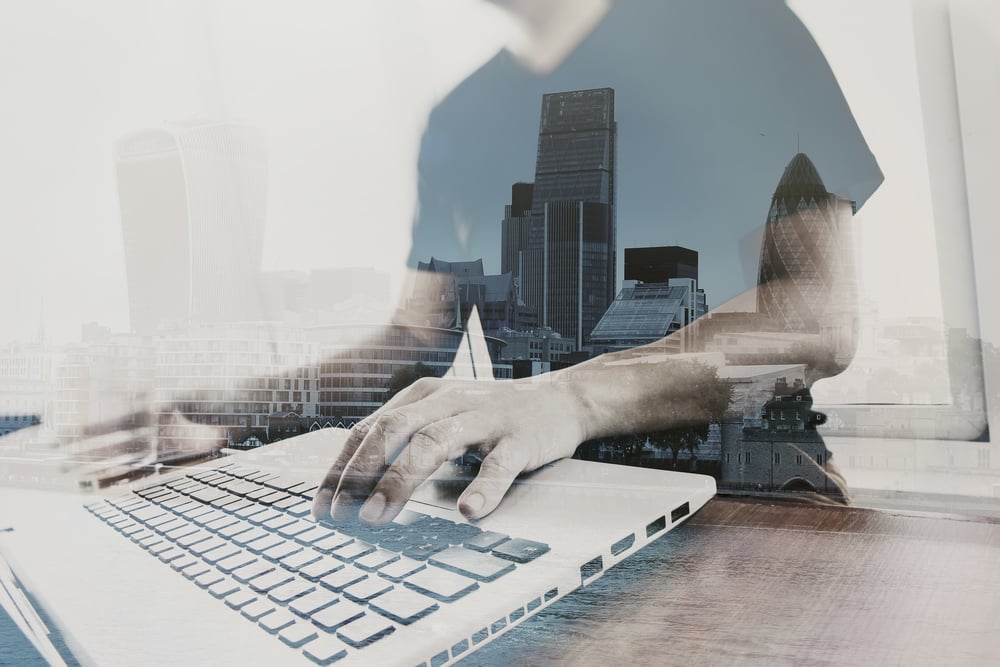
496	474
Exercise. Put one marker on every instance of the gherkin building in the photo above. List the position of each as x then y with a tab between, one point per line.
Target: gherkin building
806	260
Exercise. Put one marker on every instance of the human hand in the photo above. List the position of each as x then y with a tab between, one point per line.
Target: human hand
517	425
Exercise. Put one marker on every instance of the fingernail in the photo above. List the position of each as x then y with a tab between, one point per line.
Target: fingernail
373	509
473	503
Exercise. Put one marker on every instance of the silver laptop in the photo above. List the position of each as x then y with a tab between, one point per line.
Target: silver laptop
222	563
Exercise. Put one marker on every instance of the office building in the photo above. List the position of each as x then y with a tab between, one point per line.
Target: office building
569	257
192	199
645	313
445	293
660	264
806	261
514	233
360	360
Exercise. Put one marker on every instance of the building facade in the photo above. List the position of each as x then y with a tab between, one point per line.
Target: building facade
360	360
192	198
569	258
646	313
806	259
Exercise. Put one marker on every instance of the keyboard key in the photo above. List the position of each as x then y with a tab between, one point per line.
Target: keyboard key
240	598
208	495
225	501
403	605
161	547
337	615
401	569
520	551
281	550
314	534
199	513
300	559
164	523
235	529
222	552
332	542
424	549
486	540
252	571
180	531
195	570
321	568
276	621
147	513
310	603
355	549
194	538
325	650
269	580
265	516
296	527
278	522
171	554
262	544
367	589
235	561
480	566
376	559
300	509
287	502
153	539
441	585
183	562
272	498
221	589
298	634
250	536
206	579
210	544
257	609
365	630
343	578
250	511
240	504
293	589
218	524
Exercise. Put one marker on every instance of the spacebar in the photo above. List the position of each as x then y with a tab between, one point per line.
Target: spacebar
484	567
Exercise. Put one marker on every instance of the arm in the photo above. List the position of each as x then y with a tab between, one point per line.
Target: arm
519	425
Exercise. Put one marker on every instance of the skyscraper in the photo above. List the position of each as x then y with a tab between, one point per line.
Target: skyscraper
806	259
660	264
192	200
569	261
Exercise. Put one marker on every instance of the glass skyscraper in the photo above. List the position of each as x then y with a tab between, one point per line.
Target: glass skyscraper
806	260
569	252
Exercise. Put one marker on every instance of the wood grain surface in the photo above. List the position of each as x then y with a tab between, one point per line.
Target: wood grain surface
750	582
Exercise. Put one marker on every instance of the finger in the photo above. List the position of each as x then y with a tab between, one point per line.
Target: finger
323	508
386	438
498	471
428	449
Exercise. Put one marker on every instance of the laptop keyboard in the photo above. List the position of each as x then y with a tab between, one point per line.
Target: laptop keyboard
247	538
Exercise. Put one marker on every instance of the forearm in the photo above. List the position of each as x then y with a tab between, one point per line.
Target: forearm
642	389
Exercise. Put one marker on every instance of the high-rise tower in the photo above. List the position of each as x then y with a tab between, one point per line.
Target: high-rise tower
192	199
806	259
569	263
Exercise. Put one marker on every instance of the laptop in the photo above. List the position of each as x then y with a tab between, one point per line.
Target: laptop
222	563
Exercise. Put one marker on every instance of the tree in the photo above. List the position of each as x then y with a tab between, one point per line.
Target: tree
712	395
406	376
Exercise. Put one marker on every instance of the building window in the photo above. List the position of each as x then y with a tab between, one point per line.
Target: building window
819	459
798	459
777	458
748	457
728	457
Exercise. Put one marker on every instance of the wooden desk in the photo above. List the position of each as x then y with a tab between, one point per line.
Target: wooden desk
749	582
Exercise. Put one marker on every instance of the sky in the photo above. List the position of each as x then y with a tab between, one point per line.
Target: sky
712	100
395	131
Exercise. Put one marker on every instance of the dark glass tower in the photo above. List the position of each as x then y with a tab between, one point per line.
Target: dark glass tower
569	260
806	260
